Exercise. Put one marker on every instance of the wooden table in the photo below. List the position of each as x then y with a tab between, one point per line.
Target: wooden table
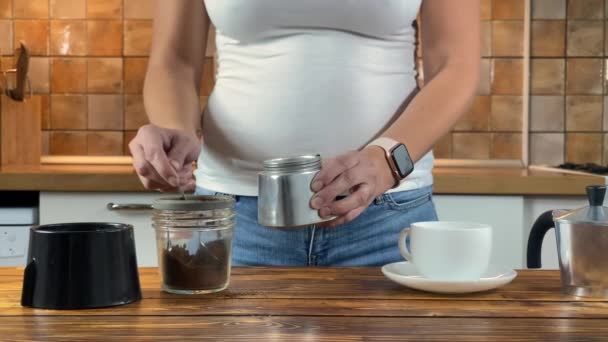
317	304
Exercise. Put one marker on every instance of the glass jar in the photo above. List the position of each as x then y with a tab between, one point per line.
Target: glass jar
194	242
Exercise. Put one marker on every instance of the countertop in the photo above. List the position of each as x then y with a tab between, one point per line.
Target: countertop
448	180
316	304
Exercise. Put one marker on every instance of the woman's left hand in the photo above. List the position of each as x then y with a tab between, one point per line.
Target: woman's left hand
363	175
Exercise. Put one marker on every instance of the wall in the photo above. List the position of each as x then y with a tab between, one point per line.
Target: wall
569	109
90	58
87	69
492	129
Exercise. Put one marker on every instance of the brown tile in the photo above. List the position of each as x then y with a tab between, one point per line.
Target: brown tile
507	38
549	9
68	112
548	38
39	74
68	37
506	146
68	9
471	145
45	111
135	113
484	87
135	73
105	112
506	113
6	37
547	113
127	137
606	37
477	118
104	75
547	148
507	76
208	80
68	143
45	141
104	9
68	75
486	9
138	35
35	33
443	147
584	147
605	113
584	113
210	51
104	143
605	162
547	76
104	37
584	76
585	9
139	9
486	38
31	9
6	8
508	9
585	38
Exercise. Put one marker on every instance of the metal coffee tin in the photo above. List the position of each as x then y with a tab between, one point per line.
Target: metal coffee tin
284	190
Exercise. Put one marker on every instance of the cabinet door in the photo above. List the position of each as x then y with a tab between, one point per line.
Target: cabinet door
61	207
503	213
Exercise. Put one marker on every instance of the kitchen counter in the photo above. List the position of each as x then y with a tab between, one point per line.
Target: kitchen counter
316	304
448	180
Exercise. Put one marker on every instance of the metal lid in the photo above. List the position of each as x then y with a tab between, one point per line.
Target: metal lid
595	213
293	163
194	203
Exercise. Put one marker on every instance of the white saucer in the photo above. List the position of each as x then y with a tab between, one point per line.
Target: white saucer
405	273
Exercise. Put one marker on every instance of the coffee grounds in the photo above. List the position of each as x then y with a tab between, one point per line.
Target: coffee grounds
199	271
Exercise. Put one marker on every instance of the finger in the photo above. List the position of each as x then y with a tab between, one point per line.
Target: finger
346	181
350	216
183	151
332	168
145	170
152	185
362	197
157	158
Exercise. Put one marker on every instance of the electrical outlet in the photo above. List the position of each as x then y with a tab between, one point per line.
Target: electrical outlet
13	241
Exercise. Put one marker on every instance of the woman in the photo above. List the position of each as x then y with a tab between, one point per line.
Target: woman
299	77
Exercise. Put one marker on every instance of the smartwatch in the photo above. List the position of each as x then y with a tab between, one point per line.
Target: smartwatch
397	157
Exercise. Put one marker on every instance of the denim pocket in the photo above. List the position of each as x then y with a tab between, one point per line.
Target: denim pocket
407	200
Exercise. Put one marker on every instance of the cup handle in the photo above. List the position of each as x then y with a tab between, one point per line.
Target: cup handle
402	246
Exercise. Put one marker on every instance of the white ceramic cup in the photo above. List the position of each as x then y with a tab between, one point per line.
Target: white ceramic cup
450	251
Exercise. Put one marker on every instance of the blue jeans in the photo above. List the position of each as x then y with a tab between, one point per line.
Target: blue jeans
369	240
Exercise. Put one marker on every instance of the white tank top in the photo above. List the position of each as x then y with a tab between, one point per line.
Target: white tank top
304	77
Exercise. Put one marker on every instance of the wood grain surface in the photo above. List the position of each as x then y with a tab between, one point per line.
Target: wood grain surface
316	304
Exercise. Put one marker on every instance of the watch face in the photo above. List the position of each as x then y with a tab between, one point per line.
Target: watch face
402	160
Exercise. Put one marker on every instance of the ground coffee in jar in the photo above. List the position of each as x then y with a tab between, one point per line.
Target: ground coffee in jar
194	240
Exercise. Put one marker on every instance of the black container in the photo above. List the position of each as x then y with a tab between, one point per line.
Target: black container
81	265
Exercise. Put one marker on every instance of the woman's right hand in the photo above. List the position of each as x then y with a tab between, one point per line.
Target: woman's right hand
161	154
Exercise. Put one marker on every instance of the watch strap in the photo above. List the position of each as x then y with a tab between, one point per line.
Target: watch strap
388	144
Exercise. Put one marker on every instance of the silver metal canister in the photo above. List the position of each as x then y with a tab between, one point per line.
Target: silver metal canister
284	190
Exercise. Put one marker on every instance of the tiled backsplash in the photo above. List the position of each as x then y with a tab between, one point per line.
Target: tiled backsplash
568	106
90	56
492	129
87	68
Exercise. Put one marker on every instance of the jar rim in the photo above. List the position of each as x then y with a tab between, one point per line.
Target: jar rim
293	162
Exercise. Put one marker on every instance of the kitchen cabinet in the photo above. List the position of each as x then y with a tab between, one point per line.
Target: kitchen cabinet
56	207
510	216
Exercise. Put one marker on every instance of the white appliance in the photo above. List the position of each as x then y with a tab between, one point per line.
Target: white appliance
15	223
